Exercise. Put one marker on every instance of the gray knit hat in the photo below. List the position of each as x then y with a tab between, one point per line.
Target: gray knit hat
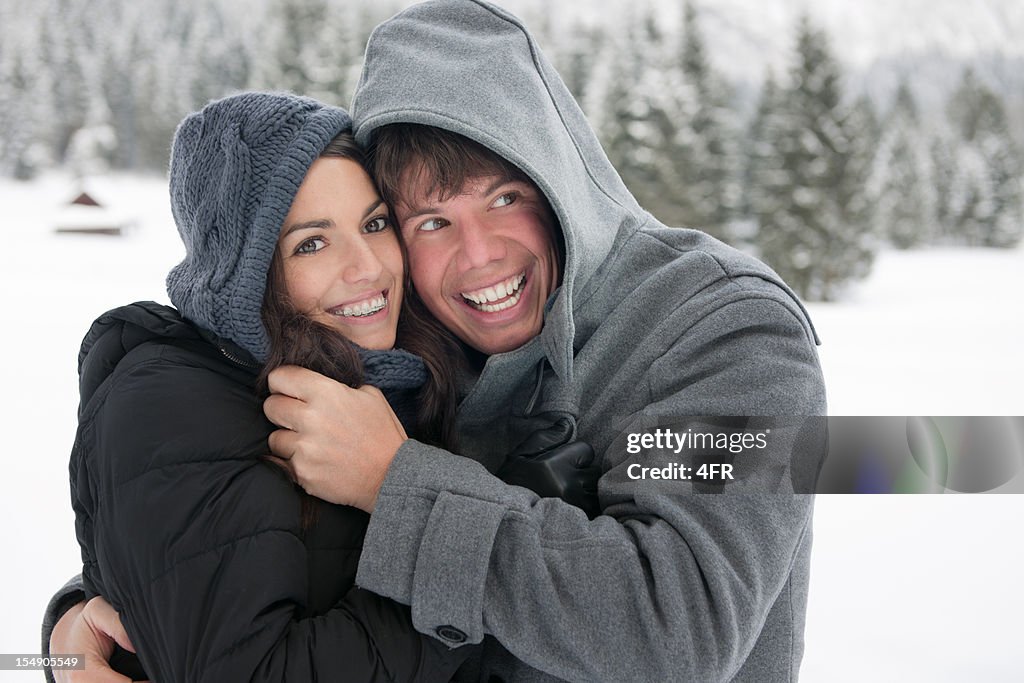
235	168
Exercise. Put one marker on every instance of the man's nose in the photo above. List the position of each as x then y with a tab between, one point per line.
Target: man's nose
479	243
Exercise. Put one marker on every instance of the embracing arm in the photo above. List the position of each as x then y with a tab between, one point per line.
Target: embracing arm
675	586
201	555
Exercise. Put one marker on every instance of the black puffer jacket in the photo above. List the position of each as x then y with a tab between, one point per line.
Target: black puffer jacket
196	540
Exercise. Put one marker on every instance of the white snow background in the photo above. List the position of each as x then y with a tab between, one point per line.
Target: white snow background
904	588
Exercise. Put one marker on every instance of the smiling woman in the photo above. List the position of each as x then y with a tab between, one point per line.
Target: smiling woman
342	261
219	566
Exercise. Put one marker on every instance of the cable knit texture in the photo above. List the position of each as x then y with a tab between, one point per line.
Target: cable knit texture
236	166
398	374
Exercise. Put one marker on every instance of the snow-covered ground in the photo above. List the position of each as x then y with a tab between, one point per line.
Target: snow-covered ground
904	588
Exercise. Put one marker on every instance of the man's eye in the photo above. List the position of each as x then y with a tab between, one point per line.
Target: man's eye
432	225
378	224
311	246
506	199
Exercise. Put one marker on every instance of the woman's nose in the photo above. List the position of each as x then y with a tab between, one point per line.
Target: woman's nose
361	263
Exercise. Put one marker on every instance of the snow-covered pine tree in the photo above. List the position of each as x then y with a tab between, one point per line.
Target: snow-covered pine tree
19	113
574	54
292	46
766	180
821	236
901	185
628	101
942	154
63	56
707	139
987	196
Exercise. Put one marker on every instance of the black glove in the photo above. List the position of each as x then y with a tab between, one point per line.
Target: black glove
552	466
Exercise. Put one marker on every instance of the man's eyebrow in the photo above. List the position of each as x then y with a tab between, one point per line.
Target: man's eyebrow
315	224
498	182
420	212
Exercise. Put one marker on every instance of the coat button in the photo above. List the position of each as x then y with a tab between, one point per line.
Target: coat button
450	633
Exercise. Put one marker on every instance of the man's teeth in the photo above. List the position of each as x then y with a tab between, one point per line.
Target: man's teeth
368	307
483	299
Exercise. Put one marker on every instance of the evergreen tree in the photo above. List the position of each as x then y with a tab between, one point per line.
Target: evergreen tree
942	155
820	238
64	58
766	180
986	200
17	123
709	158
901	186
293	45
628	115
315	50
574	54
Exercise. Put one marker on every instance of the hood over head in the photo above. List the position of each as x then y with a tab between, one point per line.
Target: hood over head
474	69
236	166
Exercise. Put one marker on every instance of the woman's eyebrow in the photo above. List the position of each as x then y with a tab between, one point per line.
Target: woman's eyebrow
373	206
315	224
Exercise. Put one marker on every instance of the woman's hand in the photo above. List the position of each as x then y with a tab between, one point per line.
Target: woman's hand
337	441
90	629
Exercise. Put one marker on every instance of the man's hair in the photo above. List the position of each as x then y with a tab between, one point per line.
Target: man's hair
402	154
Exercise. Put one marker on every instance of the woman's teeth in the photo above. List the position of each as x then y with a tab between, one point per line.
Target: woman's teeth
497	297
365	308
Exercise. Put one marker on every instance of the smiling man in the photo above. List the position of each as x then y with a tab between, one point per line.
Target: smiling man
482	239
579	309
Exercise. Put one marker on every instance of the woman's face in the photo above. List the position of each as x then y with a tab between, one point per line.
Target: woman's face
342	261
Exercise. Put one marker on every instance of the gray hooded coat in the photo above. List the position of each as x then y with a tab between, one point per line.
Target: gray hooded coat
650	323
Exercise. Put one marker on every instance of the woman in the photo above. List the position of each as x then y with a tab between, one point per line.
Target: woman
220	568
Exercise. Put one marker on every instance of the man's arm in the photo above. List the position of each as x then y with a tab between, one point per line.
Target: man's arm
665	586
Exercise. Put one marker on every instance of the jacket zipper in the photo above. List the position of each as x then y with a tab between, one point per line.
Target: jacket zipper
235	359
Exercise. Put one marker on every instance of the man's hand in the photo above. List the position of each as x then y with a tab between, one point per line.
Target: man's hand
91	629
337	441
552	465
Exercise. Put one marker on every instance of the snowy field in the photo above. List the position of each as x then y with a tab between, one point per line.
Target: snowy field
904	588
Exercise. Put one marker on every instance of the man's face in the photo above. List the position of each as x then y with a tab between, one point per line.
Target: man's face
484	261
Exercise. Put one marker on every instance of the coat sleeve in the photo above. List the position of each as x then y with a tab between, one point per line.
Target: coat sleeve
69	595
198	545
663	585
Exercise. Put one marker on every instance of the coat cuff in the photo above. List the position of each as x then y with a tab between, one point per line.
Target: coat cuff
64	599
430	538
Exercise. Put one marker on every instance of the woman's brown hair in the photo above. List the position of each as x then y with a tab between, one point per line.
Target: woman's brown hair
297	339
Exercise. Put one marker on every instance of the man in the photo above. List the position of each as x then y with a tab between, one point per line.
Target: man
583	313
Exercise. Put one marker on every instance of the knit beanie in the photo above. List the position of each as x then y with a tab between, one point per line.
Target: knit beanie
235	168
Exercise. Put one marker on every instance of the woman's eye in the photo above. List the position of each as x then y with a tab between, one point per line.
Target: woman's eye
432	224
505	199
311	246
377	224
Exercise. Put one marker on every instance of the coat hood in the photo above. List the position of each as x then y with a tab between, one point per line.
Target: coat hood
474	69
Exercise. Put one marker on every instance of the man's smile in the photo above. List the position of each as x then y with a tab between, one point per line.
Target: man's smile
497	297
